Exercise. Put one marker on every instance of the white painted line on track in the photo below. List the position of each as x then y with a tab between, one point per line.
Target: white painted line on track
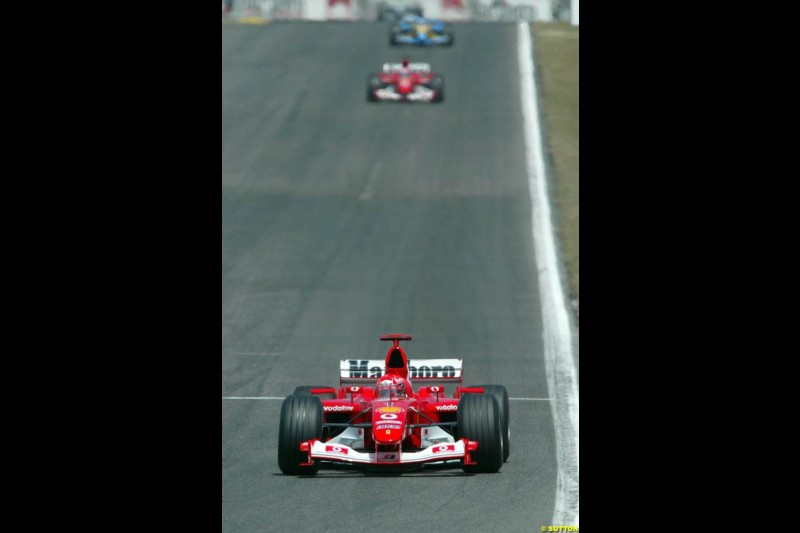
562	380
531	399
271	354
281	398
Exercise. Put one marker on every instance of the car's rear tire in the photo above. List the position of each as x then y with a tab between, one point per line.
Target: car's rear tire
501	395
305	390
301	420
452	40
479	419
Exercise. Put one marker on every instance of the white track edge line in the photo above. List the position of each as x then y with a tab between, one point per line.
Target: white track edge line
559	358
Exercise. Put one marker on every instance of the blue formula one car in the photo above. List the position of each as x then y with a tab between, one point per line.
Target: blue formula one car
420	31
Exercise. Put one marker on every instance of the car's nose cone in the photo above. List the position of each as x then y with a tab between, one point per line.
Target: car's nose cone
388	424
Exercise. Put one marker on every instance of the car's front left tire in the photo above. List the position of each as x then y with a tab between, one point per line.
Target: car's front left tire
479	419
373	84
501	395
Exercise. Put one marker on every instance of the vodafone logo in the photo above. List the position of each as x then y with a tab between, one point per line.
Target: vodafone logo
453	407
336	449
444	448
389	416
330	408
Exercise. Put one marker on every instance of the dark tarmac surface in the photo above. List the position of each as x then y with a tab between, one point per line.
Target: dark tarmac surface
344	220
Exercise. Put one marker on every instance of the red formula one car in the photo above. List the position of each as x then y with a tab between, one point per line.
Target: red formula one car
376	420
405	82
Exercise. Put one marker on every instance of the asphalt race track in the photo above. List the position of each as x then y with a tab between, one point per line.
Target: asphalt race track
343	220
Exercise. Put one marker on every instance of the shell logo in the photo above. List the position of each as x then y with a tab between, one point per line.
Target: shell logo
390	409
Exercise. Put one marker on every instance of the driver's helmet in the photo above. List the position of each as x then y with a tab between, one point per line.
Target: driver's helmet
405	64
390	387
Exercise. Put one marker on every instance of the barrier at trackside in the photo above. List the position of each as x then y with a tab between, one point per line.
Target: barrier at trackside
356	10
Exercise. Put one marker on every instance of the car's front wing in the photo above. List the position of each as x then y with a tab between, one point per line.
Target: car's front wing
405	39
418	96
318	450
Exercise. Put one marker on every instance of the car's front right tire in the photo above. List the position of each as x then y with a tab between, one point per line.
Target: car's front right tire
437	84
301	420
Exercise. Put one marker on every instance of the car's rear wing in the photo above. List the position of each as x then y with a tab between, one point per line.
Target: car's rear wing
362	371
413	67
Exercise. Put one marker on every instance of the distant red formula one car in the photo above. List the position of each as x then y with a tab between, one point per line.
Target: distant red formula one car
405	82
376	420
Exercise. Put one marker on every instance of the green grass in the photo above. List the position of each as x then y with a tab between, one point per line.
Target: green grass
556	53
